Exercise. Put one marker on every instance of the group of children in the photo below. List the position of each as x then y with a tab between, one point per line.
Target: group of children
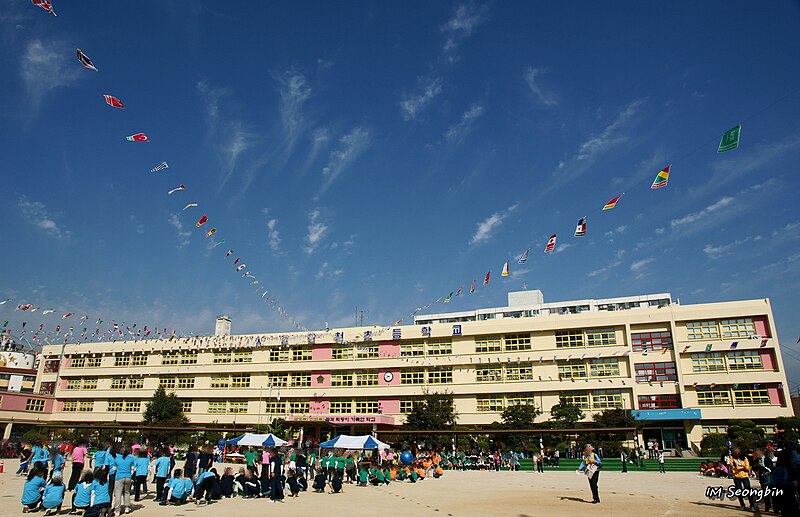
92	494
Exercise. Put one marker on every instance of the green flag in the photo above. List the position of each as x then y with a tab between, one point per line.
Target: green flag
730	139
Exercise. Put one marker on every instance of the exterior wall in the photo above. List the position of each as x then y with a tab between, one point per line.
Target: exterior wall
544	389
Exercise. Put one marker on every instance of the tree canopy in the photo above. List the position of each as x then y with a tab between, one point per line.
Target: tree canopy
565	415
165	410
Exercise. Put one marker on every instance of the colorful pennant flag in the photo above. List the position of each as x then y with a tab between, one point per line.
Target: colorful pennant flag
458	293
113	101
202	221
138	137
230	252
734	344
67	315
505	269
611	204
160	167
241	267
447	299
661	178
580	229
708	347
551	244
730	139
523	258
472	290
211	232
190	205
47	5
85	61
486	280
764	343
179	187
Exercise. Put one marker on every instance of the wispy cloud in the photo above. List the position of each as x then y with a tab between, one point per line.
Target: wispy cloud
415	103
619	230
563	247
590	151
45	66
184	236
639	266
616	261
696	216
138	227
545	99
325	270
211	96
466	18
351	147
294	92
36	213
320	139
456	133
316	231
274	236
484	229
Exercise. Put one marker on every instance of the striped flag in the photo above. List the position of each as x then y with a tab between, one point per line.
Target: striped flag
211	232
138	137
160	167
580	229
85	61
486	280
523	258
472	289
113	101
447	299
47	5
505	269
611	204
551	244
179	187
458	293
202	221
661	178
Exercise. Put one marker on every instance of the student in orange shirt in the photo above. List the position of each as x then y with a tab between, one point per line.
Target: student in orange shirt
438	472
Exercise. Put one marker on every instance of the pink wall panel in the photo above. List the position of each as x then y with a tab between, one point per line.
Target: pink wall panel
767	360
395	377
775	396
326	379
390	349
390	406
321	352
762	329
319	407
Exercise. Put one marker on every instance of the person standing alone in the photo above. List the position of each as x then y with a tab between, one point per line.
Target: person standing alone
79	454
590	465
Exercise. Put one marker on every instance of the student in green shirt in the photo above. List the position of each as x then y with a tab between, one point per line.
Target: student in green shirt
311	459
387	476
339	466
363	477
250	459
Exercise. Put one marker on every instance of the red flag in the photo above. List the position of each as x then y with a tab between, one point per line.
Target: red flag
611	204
237	260
551	244
47	5
472	289
138	137
458	293
113	101
486	280
85	61
67	315
202	221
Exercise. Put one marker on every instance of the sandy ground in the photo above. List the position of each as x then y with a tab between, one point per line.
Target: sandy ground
461	494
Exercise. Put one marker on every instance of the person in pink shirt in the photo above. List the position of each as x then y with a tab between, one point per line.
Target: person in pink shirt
265	463
79	454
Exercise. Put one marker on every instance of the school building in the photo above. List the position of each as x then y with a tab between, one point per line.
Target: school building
684	369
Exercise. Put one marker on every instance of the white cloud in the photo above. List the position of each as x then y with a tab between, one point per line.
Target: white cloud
36	213
211	96
530	79
413	104
619	230
320	139
316	231
614	263
294	92
660	231
456	133
484	229
137	224
183	235
639	265
465	20
351	147
710	209
274	235
45	67
326	270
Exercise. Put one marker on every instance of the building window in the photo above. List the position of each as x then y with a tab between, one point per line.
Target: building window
406	406
302	353
440	347
572	371
119	383
411	349
517	342
651	341
576	398
366	407
490	404
745	360
220	382
604	399
236	407
715	429
341	406
243	356
169	358
367	378
51	365
139	360
278	380
601	337
742	327
519	372
186	406
135	384
122	360
168	383
74	384
489	373
222	357
240	380
70	406
413	376
276	406
85	406
185	383
342	352
189	357
664	401
702	330
655	372
77	362
604	368
569	338
132	406
521	400
488	344
115	406
90	383
300	380
707	396
217	407
93	362
749	396
299	407
708	362
47	388
442	375
366	351
344	378
279	355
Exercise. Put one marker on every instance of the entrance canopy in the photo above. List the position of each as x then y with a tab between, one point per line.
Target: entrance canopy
354	442
257	440
667	414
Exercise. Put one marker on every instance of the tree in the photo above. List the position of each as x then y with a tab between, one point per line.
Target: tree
516	417
746	434
165	410
714	444
431	412
565	415
788	430
615	418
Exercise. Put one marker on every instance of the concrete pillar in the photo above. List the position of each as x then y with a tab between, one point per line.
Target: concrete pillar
7	432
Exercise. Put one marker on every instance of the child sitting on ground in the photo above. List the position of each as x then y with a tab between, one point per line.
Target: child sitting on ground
363	476
387	476
175	489
32	491
227	481
437	473
319	481
336	484
82	498
240	480
301	480
53	495
101	498
294	486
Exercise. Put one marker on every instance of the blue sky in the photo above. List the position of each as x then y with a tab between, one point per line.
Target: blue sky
382	155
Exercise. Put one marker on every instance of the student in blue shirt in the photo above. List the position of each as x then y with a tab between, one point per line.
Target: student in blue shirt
82	498
42	455
124	462
188	485
53	495
590	466
111	463
162	466
175	489
32	491
141	467
100	497
207	486
57	459
99	458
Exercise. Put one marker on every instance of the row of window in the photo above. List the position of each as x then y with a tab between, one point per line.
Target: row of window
499	373
589	337
733	328
442	375
598	399
606	367
723	429
737	360
738	394
431	347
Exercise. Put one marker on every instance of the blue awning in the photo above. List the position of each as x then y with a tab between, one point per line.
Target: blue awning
667	414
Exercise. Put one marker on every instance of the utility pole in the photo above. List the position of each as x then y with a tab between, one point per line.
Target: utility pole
361	319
